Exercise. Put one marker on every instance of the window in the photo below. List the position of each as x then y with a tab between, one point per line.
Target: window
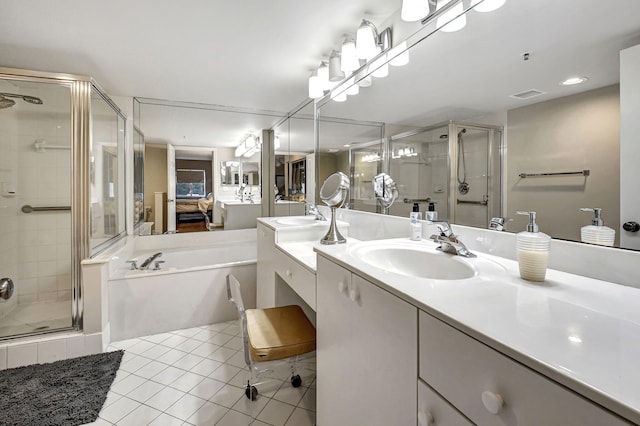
191	183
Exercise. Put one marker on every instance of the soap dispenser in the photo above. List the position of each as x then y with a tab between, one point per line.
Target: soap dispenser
431	214
597	233
532	251
415	226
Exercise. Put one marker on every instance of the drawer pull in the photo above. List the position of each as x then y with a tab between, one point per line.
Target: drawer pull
425	419
289	273
493	402
341	286
354	294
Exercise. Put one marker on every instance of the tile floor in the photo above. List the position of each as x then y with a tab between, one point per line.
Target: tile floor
196	377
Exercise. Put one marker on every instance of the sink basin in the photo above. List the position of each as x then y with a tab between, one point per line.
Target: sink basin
414	259
297	220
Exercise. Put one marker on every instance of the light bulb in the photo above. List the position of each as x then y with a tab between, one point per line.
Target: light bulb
487	5
349	60
414	10
340	97
335	67
448	21
380	66
366	40
323	75
315	89
353	88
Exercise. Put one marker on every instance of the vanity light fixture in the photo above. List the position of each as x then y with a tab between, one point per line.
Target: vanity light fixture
380	66
248	147
348	58
362	79
353	89
315	88
453	19
574	80
323	76
276	142
339	97
366	40
487	5
414	10
335	67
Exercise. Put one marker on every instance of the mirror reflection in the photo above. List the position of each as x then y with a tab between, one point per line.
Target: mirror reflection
484	121
202	168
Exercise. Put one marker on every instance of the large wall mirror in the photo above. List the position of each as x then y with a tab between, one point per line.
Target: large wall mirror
202	166
480	122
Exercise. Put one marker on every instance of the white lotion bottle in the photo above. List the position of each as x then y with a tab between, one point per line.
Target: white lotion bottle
415	224
532	251
597	233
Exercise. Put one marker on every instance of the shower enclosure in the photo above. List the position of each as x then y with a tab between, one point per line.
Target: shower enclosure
61	187
454	165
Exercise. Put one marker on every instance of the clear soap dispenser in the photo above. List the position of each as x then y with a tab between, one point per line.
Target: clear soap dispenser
597	233
532	251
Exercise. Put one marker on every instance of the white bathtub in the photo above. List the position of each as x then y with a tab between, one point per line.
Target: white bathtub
189	290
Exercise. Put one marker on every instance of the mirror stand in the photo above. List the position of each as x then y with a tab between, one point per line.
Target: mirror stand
333	235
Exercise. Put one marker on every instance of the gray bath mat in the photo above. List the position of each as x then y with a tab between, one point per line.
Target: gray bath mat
68	392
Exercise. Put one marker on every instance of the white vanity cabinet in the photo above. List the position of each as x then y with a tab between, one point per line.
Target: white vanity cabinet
366	352
433	410
266	248
492	389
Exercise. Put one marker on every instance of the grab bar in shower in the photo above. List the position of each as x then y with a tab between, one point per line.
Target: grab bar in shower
28	209
478	203
582	173
416	200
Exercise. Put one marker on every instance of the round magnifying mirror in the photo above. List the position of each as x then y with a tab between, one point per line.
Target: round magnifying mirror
385	190
334	189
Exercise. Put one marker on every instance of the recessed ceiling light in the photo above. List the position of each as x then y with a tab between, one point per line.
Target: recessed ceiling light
574	80
332	150
346	145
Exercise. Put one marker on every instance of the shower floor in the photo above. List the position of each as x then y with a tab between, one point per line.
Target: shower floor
41	316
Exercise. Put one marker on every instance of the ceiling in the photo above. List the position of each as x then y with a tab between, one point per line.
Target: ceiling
244	53
257	55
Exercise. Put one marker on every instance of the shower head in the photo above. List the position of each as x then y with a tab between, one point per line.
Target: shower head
6	103
461	132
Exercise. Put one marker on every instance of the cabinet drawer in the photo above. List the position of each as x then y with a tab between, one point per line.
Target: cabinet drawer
435	411
474	378
300	279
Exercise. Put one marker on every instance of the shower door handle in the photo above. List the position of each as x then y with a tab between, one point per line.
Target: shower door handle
170	201
6	289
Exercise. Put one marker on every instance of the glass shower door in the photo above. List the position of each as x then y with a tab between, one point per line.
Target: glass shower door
35	212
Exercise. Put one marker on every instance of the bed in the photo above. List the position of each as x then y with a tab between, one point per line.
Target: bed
190	209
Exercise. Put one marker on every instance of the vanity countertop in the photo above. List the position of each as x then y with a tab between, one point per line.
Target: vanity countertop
582	332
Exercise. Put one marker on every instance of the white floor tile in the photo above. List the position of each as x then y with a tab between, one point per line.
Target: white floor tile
237	360
206	367
189	332
155	352
259	423
185	407
121	374
225	372
234	418
289	394
205	335
207	388
227	396
220	339
208	414
276	413
301	417
140	347
127	384
204	349
174	341
157	338
111	398
308	401
171	356
235	344
188	346
135	364
99	422
125	344
140	416
145	391
188	361
251	408
166	420
151	369
223	354
168	375
165	398
187	381
119	409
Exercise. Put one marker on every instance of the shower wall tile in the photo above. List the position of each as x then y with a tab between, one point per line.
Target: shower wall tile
27	299
52	350
22	354
48	297
48	284
3	358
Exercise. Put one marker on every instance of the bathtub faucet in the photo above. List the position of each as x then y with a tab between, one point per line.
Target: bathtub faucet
149	260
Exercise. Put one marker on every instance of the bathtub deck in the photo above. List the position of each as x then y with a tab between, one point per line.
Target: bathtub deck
196	377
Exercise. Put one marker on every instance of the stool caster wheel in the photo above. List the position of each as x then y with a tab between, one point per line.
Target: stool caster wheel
251	392
296	381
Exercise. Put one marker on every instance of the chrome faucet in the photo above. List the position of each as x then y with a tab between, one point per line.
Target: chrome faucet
312	209
499	223
449	242
147	262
